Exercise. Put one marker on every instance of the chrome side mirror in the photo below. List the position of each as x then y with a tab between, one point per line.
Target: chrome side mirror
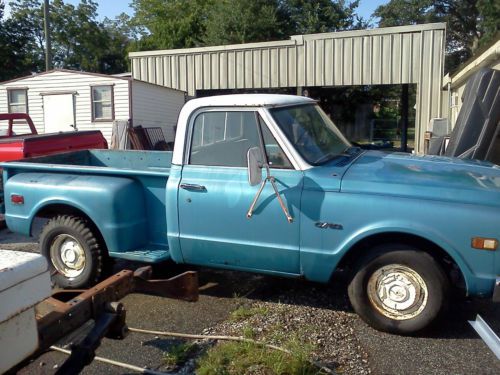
254	161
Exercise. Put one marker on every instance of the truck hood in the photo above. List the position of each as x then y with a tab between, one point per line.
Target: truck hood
424	177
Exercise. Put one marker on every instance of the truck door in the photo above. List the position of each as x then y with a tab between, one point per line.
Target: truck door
214	197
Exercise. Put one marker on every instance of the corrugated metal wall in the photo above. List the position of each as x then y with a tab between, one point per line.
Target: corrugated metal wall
396	55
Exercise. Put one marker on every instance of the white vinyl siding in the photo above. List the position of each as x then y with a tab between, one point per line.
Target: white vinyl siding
156	106
78	83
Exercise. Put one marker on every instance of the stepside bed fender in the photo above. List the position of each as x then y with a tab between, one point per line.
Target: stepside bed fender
114	204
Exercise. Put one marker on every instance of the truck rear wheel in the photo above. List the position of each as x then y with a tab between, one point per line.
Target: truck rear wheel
398	289
72	250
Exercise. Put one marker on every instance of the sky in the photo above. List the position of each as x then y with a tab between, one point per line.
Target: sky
112	8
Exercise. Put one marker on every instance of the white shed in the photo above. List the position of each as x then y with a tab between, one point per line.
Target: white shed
66	100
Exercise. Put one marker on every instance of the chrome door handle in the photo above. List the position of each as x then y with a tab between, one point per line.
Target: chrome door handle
193	187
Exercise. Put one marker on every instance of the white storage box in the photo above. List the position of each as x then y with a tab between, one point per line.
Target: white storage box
24	281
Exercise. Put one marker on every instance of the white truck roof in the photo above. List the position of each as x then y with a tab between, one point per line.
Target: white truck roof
246	100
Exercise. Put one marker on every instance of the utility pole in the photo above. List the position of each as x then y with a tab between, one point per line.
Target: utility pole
48	55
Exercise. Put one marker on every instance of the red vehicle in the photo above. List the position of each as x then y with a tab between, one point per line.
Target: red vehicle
19	139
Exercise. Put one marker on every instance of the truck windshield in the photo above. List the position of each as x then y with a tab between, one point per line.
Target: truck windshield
312	133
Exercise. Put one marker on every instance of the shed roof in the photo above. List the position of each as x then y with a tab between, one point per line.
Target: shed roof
485	59
122	76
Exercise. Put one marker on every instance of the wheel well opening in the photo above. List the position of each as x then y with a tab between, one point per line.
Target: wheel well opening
363	247
53	210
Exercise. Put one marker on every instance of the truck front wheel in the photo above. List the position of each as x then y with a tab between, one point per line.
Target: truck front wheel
72	250
398	289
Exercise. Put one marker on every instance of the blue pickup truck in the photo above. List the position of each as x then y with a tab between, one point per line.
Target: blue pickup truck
268	184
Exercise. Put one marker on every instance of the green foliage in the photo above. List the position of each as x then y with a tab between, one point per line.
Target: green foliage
243	312
18	54
79	40
320	16
471	23
490	23
240	21
178	354
247	358
406	12
166	24
120	36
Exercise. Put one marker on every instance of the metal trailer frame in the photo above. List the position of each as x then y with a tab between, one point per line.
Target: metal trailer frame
67	310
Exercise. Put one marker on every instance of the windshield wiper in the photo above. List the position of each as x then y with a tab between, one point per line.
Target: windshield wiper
347	153
351	150
326	158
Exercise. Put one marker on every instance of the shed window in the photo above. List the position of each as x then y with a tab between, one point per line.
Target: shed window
18	100
102	103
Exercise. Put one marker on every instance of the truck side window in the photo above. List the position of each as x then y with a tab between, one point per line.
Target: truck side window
223	138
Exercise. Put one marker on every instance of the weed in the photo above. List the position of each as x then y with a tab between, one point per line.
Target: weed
244	312
248	332
178	354
247	358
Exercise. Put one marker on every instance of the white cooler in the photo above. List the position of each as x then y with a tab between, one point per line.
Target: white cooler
24	281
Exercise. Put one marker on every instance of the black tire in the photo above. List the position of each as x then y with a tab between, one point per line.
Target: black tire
398	289
81	243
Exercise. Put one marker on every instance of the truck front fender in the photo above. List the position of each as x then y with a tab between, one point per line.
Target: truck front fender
114	204
315	260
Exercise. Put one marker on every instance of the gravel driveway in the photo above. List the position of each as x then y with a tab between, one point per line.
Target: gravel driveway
319	314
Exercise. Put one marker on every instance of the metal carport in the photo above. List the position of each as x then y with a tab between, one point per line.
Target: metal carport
395	55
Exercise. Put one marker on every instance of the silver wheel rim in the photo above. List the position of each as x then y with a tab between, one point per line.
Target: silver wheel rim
67	255
397	292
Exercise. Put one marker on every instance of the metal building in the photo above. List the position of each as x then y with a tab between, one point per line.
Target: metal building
395	55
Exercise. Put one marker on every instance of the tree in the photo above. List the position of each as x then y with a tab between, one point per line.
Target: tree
17	56
79	41
240	21
120	37
320	16
166	24
471	23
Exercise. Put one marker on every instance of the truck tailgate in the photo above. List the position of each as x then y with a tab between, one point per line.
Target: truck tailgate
36	145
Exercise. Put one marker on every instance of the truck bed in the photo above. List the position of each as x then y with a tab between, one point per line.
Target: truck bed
125	190
110	162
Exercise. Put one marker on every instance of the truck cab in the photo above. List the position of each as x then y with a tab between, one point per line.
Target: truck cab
268	184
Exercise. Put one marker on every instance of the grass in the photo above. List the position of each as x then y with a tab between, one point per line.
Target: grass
244	312
178	354
235	358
